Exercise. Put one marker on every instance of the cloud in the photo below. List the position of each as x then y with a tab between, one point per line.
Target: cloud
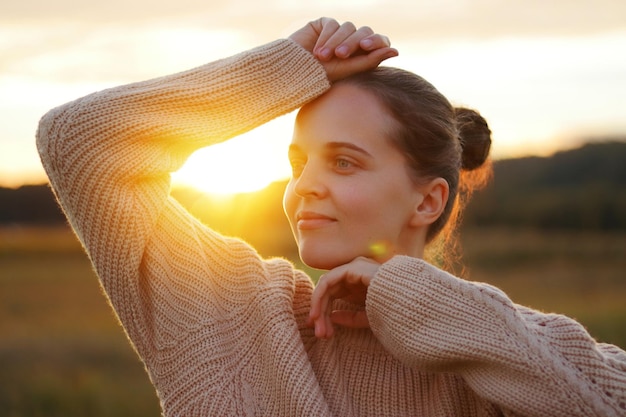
75	53
419	18
103	11
49	39
533	67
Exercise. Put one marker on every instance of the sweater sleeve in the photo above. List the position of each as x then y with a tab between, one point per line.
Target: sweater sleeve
527	363
109	156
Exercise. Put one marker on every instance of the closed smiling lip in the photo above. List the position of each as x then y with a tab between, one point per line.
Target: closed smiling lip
308	220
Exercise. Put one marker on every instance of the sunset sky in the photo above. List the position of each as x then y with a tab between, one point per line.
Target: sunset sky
546	74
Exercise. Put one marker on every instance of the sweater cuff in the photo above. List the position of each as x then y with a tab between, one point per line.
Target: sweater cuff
297	69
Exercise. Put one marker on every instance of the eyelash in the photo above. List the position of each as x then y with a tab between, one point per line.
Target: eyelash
298	165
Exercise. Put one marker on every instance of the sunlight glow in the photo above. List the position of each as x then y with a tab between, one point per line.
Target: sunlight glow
539	93
525	89
244	164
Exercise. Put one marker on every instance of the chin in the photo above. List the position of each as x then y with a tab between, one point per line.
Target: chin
324	260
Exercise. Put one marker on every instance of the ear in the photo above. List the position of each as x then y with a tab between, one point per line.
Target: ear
434	198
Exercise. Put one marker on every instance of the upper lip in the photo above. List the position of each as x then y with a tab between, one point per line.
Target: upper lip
311	215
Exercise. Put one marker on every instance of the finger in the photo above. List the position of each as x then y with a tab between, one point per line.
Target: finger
341	281
331	293
326	45
358	63
348	282
325	28
351	44
351	319
322	322
316	298
375	41
374	58
320	328
324	293
325	288
329	327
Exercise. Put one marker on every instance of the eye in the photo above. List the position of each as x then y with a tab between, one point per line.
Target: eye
344	164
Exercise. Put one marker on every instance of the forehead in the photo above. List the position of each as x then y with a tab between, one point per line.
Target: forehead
345	113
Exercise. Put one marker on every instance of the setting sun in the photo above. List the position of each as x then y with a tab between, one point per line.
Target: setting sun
244	164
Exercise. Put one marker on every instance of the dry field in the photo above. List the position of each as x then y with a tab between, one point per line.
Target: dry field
63	354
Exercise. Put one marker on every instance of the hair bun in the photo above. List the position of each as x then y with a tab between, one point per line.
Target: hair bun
475	137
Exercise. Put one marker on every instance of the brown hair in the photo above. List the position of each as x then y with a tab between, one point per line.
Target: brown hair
437	139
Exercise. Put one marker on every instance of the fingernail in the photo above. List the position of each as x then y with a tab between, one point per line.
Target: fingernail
342	50
366	43
325	53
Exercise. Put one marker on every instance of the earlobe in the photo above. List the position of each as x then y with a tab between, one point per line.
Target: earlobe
434	198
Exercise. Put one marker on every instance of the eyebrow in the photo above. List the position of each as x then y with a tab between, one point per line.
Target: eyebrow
294	148
338	145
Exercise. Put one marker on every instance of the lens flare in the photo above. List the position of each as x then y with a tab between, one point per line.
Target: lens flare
379	249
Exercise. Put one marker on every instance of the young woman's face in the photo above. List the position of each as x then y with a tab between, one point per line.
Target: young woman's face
350	194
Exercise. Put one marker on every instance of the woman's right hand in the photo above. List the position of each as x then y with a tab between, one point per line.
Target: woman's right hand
343	49
348	282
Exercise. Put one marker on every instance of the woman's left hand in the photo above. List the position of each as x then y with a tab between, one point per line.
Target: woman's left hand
348	282
343	49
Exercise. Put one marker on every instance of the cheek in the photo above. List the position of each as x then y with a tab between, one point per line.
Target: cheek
358	202
380	208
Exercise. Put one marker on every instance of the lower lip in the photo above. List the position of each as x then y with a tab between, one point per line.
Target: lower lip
312	224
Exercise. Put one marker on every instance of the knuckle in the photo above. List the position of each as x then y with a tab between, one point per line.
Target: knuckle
349	25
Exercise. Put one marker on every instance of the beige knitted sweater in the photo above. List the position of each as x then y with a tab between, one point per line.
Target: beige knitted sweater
222	332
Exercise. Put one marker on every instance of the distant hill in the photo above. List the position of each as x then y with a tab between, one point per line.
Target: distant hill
583	188
29	204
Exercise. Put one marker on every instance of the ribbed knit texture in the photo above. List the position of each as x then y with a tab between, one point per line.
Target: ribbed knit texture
222	332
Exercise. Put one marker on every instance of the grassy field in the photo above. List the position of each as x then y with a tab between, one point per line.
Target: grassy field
579	274
62	353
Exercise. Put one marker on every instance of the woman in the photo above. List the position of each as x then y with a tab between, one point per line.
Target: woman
223	332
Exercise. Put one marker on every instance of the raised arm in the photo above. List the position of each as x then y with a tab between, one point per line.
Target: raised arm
528	363
109	156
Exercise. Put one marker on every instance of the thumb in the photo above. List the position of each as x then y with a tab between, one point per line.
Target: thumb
351	319
359	63
380	55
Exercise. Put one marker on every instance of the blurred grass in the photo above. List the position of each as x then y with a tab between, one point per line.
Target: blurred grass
62	352
579	274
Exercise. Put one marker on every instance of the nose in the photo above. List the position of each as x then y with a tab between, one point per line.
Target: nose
310	182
